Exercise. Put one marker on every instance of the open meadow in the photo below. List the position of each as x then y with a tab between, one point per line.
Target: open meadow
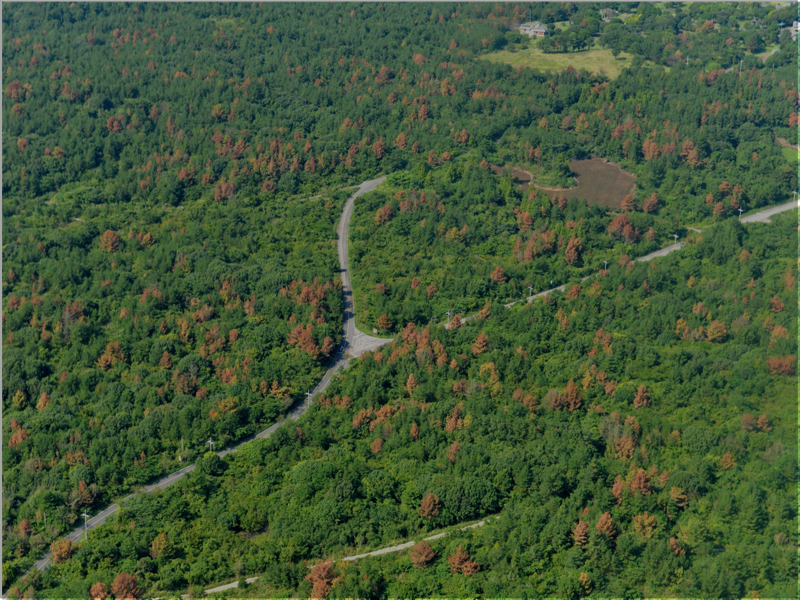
596	60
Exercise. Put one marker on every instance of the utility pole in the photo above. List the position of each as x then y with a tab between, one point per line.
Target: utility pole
309	395
181	444
741	62
795	195
605	263
210	444
530	289
675	235
85	531
740	213
448	315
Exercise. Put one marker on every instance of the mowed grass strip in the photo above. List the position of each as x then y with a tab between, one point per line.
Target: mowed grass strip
597	60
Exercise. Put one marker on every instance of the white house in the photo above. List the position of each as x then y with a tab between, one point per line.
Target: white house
607	14
533	29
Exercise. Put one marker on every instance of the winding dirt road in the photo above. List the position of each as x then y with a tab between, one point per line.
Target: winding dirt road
354	343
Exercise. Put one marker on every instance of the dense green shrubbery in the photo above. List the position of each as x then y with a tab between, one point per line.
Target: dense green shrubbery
188	132
126	349
426	244
663	421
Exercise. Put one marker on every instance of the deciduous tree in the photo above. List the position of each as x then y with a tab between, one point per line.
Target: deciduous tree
460	562
99	591
481	344
430	506
109	242
498	275
605	526
422	555
62	550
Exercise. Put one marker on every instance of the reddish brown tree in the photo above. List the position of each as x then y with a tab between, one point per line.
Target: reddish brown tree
481	344
573	251
651	203
775	304
421	555
376	446
452	452
383	215
641	399
430	506
126	587
25	528
62	550
580	532
379	149
717	331
727	461
109	242
411	383
224	190
676	547
415	432
719	209
678	496
99	591
748	423
782	366
44	401
384	323
605	526
165	362
641	483
430	291
627	203
524	222
401	141
570	397
617	226
460	562
498	275
322	579
113	125
763	423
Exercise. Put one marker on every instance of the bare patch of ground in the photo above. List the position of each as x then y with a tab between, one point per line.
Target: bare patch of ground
598	182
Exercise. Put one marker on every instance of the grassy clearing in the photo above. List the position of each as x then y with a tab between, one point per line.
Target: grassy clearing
597	60
792	155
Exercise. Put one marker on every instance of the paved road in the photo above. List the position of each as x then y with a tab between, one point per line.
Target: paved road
389	550
354	342
761	216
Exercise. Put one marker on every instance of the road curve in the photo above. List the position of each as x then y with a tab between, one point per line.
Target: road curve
354	342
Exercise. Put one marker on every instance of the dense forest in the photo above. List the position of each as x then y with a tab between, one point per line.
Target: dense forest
636	435
173	175
463	237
